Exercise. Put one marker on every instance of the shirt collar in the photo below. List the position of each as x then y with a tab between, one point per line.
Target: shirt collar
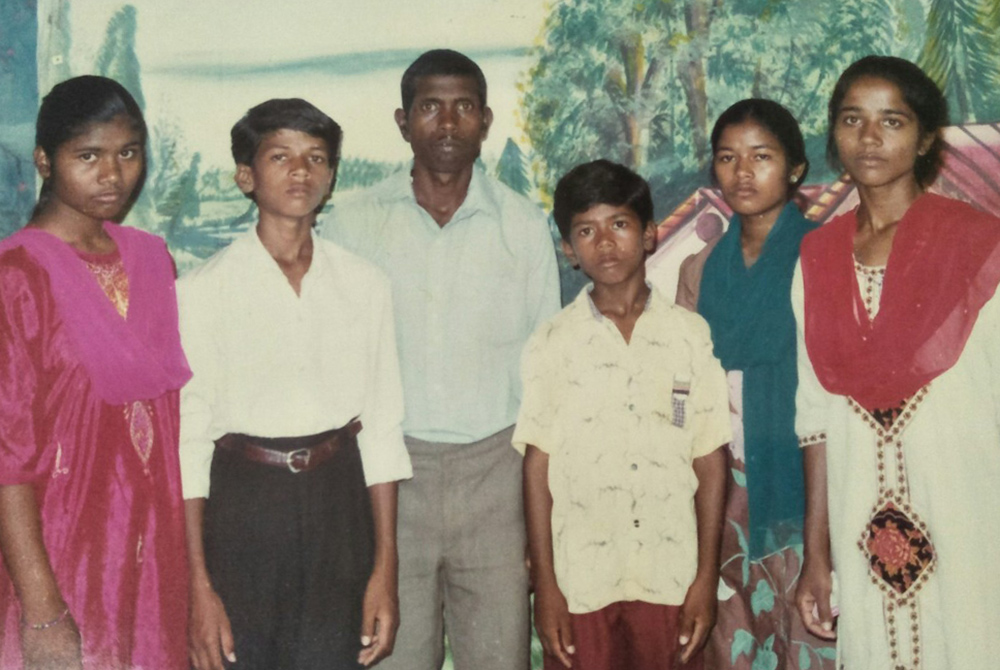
479	198
260	259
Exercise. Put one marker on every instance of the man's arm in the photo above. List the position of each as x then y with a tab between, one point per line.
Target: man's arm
698	611
380	613
209	633
552	619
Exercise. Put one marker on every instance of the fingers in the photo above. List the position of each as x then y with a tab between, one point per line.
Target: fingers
226	638
693	640
378	636
557	640
815	612
685	636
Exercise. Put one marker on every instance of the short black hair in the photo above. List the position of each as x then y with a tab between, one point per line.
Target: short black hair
600	182
773	118
440	63
919	92
72	107
284	114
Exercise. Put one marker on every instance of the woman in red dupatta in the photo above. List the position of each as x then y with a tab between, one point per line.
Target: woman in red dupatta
898	406
91	518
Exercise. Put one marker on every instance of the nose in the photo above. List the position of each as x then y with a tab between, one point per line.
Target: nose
604	238
111	170
743	168
299	165
871	133
448	117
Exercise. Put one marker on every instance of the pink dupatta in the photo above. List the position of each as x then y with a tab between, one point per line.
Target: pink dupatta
137	358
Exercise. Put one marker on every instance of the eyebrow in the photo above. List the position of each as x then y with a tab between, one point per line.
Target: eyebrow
890	111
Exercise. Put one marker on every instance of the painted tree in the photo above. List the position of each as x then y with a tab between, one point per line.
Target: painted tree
962	55
511	168
117	58
641	82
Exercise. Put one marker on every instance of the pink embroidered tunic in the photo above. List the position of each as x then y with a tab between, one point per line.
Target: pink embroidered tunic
106	474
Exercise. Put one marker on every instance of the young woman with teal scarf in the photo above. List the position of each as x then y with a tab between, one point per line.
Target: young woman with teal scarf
758	163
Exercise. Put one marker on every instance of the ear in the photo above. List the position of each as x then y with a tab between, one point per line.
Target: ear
649	237
42	163
567	249
487	122
404	127
796	173
244	178
925	143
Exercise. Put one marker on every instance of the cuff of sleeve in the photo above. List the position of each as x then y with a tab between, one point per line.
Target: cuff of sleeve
812	439
196	475
384	459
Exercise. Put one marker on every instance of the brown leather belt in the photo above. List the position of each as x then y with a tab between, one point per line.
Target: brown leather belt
322	448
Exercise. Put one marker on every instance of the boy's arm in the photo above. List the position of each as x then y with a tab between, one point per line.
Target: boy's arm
210	636
698	611
815	584
551	611
380	612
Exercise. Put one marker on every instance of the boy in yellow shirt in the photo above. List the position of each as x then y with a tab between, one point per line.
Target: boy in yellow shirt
624	411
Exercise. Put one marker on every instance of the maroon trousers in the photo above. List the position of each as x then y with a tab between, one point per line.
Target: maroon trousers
632	635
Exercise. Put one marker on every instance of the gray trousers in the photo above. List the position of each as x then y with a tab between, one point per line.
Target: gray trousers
461	558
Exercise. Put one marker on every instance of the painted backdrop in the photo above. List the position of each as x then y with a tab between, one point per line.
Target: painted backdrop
637	81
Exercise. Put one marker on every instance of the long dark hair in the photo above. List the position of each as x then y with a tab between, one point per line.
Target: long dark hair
71	108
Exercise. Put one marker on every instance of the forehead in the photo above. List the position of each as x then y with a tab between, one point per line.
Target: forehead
120	130
289	138
748	133
875	93
447	87
601	212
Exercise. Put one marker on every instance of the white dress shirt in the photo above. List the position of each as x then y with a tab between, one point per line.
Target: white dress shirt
270	363
467	296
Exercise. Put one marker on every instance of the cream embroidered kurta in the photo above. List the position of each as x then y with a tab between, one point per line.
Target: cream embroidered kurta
622	424
951	449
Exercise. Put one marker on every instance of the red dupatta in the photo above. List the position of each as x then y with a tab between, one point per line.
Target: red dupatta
943	267
137	358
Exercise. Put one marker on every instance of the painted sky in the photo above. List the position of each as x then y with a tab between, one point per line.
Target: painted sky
205	63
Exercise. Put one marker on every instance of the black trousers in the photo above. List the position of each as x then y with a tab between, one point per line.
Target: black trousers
290	555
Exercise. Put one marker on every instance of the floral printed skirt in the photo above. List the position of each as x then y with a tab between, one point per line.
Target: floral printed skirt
758	625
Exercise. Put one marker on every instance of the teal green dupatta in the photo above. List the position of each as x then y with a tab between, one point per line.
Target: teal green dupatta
753	329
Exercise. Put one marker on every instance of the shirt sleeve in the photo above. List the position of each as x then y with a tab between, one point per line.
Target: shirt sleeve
542	297
198	397
812	401
383	452
709	397
21	319
536	417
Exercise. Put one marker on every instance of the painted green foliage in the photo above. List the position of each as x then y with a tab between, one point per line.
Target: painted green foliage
640	81
511	168
962	54
117	58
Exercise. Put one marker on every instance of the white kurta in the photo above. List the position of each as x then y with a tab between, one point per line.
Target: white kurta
951	448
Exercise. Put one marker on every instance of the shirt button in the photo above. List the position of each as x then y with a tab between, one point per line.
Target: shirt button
635	523
631	407
635	466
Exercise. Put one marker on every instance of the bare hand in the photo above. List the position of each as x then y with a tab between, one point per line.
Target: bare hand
697	616
379	617
210	636
812	596
552	621
54	648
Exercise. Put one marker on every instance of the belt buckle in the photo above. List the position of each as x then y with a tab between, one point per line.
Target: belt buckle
290	457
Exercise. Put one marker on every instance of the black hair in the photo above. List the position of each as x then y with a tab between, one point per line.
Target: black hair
919	92
71	108
600	182
440	63
773	118
284	114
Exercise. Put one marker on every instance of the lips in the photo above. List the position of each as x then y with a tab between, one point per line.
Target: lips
109	197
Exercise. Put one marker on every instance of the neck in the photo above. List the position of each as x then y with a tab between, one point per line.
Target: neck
440	194
753	233
287	240
882	207
83	233
621	300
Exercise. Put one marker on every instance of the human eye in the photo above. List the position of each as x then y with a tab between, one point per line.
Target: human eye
762	156
850	119
583	231
277	157
892	122
129	154
428	106
723	158
87	156
318	159
620	224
